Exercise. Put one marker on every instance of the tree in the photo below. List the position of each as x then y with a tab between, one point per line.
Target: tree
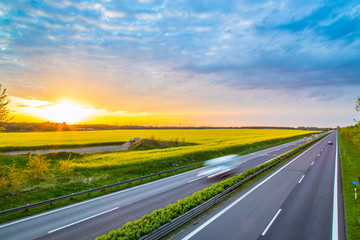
357	107
4	112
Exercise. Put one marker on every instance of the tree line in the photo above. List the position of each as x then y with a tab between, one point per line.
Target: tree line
352	133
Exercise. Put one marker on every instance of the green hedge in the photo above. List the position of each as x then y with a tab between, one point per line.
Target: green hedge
352	134
150	222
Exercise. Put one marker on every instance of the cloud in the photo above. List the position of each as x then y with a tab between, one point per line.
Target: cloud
148	16
28	103
64	110
147	47
113	14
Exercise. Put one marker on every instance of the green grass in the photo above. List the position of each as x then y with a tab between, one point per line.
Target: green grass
350	171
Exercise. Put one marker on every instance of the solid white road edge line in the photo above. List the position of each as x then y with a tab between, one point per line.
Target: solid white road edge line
335	230
301	179
190	235
270	223
57	229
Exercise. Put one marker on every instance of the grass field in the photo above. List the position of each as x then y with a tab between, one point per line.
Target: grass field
350	171
95	170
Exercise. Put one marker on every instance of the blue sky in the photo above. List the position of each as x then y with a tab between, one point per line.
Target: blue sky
219	63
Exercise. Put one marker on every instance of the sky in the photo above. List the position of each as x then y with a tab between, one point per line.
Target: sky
182	63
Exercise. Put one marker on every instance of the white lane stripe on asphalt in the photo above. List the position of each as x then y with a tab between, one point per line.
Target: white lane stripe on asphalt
196	179
301	178
71	224
335	230
190	235
270	223
312	163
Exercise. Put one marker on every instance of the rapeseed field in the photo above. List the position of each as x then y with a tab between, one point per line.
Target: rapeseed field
200	136
205	140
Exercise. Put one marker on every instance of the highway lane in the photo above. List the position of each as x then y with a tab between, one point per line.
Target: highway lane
98	216
306	213
295	202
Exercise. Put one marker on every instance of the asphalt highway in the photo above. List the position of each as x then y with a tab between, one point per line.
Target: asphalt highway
94	217
300	200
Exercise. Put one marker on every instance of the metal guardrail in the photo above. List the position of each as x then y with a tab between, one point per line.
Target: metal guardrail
50	201
179	221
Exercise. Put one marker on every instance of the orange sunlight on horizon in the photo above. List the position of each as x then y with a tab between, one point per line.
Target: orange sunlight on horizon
78	112
72	112
64	111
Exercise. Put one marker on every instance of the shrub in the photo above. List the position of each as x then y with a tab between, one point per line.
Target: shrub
37	167
12	178
66	166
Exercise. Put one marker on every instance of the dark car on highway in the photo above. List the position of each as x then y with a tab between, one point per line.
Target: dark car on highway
330	143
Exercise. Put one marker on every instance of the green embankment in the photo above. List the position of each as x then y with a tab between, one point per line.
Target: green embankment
350	171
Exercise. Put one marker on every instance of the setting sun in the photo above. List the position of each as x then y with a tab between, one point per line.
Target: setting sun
65	111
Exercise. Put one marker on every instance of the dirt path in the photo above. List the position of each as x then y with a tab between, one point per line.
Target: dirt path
82	150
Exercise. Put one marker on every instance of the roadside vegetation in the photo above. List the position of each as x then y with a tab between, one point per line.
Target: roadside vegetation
152	143
349	139
350	171
28	179
4	112
352	134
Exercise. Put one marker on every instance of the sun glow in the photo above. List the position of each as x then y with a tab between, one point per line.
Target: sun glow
65	111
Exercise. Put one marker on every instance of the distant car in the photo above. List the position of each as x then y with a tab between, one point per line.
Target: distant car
220	166
330	143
